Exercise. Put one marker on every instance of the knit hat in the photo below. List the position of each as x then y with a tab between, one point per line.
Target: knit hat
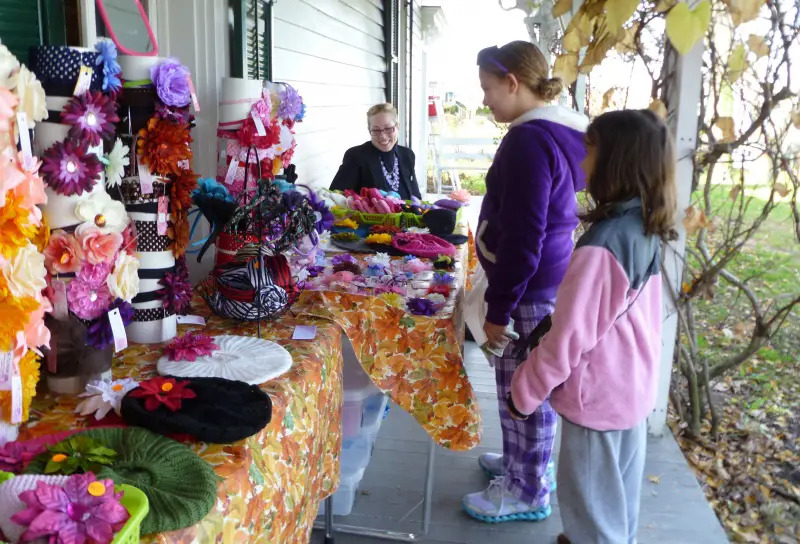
10	502
442	222
210	409
180	487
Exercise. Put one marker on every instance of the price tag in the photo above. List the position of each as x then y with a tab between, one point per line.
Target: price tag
304	332
24	138
191	320
260	130
60	309
52	355
163	210
223	153
84	80
145	179
231	174
118	330
16	397
195	102
6	370
184	164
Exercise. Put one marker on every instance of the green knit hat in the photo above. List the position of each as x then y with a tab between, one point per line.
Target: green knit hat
181	487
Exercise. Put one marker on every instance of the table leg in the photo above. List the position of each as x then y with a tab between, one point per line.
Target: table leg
329	520
428	500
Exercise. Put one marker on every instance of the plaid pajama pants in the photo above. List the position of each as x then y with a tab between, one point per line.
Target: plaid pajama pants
527	445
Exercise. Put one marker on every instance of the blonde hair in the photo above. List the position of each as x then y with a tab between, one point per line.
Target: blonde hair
526	62
381	108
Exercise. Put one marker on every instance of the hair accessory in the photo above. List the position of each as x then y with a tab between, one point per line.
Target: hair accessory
107	62
163	391
190	346
92	116
171	79
421	306
69	168
102	396
489	55
423	245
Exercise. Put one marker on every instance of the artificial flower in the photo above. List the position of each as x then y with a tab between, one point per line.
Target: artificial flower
384	239
441	289
166	391
375	271
78	454
129	240
116	161
15	456
291	105
314	271
16	227
107	60
31	189
421	306
383	288
443	262
182	189
346	223
171	80
437	299
322	212
102	396
163	144
347	266
248	136
209	188
263	106
293	199
190	346
8	65
13	312
31	95
176	292
87	294
179	231
380	258
8	103
385	229
36	332
415	266
103	211
68	168
97	245
123	281
63	254
174	114
99	333
343	258
42	236
393	299
24	272
346	237
82	511
461	195
418	230
92	116
300	116
443	278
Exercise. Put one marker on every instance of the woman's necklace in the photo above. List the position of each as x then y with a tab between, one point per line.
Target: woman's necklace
392	179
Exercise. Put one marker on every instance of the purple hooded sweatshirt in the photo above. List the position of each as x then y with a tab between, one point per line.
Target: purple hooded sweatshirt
524	237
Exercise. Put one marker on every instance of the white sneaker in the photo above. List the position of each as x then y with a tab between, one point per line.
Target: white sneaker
492	464
496	504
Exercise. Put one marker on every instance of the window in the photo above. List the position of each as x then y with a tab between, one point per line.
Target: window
28	23
250	23
391	32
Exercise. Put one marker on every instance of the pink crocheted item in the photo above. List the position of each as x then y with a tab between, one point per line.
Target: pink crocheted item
423	245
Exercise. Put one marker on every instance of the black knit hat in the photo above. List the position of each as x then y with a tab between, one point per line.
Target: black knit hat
441	222
222	411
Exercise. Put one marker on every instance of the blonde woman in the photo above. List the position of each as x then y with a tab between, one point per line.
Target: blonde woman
380	163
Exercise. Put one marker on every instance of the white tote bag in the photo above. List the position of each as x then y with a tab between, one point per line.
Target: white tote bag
475	308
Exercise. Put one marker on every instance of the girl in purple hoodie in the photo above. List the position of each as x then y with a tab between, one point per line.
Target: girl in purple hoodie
524	241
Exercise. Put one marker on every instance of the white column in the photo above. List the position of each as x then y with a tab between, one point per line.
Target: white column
683	101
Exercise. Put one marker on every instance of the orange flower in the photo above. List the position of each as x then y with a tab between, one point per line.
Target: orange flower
181	192
179	232
16	227
163	144
29	372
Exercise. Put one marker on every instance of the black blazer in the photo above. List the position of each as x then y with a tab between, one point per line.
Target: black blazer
361	167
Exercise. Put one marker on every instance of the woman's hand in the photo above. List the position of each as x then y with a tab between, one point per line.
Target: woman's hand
496	334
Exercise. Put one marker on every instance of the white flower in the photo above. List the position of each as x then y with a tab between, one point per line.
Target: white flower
302	274
123	282
25	272
103	396
382	259
437	299
116	161
31	95
103	211
8	64
418	230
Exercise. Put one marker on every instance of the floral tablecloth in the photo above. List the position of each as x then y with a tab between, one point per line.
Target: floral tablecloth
273	481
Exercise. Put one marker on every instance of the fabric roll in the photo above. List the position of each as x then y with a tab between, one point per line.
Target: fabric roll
58	67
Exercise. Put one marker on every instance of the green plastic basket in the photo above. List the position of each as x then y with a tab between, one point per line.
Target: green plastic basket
136	503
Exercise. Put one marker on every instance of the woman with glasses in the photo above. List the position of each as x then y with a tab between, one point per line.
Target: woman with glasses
380	162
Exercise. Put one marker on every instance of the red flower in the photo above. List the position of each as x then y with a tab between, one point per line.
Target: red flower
166	391
442	289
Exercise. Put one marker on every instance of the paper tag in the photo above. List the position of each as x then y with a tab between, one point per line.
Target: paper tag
118	330
163	210
60	309
24	138
84	80
195	102
6	370
223	153
52	355
260	130
184	164
229	177
145	179
191	320
16	398
304	332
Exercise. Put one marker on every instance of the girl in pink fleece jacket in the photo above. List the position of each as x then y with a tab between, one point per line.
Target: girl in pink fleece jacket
599	361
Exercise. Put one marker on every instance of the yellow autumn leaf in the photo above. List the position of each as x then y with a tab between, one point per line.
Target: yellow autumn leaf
695	220
627	43
597	50
757	45
796	117
726	127
742	11
734	194
664	5
654	479
658	107
686	27
579	31
619	11
737	63
607	97
781	189
561	7
566	67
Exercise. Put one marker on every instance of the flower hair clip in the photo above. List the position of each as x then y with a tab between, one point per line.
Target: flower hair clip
102	396
421	306
443	278
92	116
190	346
163	391
69	169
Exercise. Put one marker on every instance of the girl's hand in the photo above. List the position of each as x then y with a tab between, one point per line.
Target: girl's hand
495	334
512	410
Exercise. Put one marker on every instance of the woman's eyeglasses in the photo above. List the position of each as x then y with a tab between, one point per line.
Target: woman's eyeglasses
388	131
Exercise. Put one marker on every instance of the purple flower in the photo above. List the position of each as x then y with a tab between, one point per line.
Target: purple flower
291	103
88	295
293	199
68	168
14	456
172	84
99	334
314	271
181	116
421	306
323	214
343	258
92	116
85	509
107	57
442	277
177	290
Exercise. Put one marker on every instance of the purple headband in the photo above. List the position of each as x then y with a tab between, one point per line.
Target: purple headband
489	55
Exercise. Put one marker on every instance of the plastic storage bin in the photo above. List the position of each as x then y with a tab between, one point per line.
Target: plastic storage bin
373	412
358	387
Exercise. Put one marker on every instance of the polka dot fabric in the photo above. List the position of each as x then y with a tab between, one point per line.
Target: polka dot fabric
58	67
148	238
151	314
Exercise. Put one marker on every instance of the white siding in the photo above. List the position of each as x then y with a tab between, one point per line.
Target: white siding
332	51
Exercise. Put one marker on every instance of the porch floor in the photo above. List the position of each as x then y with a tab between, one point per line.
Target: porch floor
674	510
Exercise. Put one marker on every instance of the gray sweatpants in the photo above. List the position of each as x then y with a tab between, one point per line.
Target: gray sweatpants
600	482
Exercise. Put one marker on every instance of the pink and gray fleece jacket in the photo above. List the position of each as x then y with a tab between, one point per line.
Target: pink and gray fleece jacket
600	358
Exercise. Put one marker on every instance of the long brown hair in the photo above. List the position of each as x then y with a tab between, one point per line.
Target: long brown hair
634	157
526	62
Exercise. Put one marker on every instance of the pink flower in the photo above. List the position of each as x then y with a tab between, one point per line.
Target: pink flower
10	175
189	346
129	240
8	102
84	510
88	295
36	334
63	253
31	189
98	246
